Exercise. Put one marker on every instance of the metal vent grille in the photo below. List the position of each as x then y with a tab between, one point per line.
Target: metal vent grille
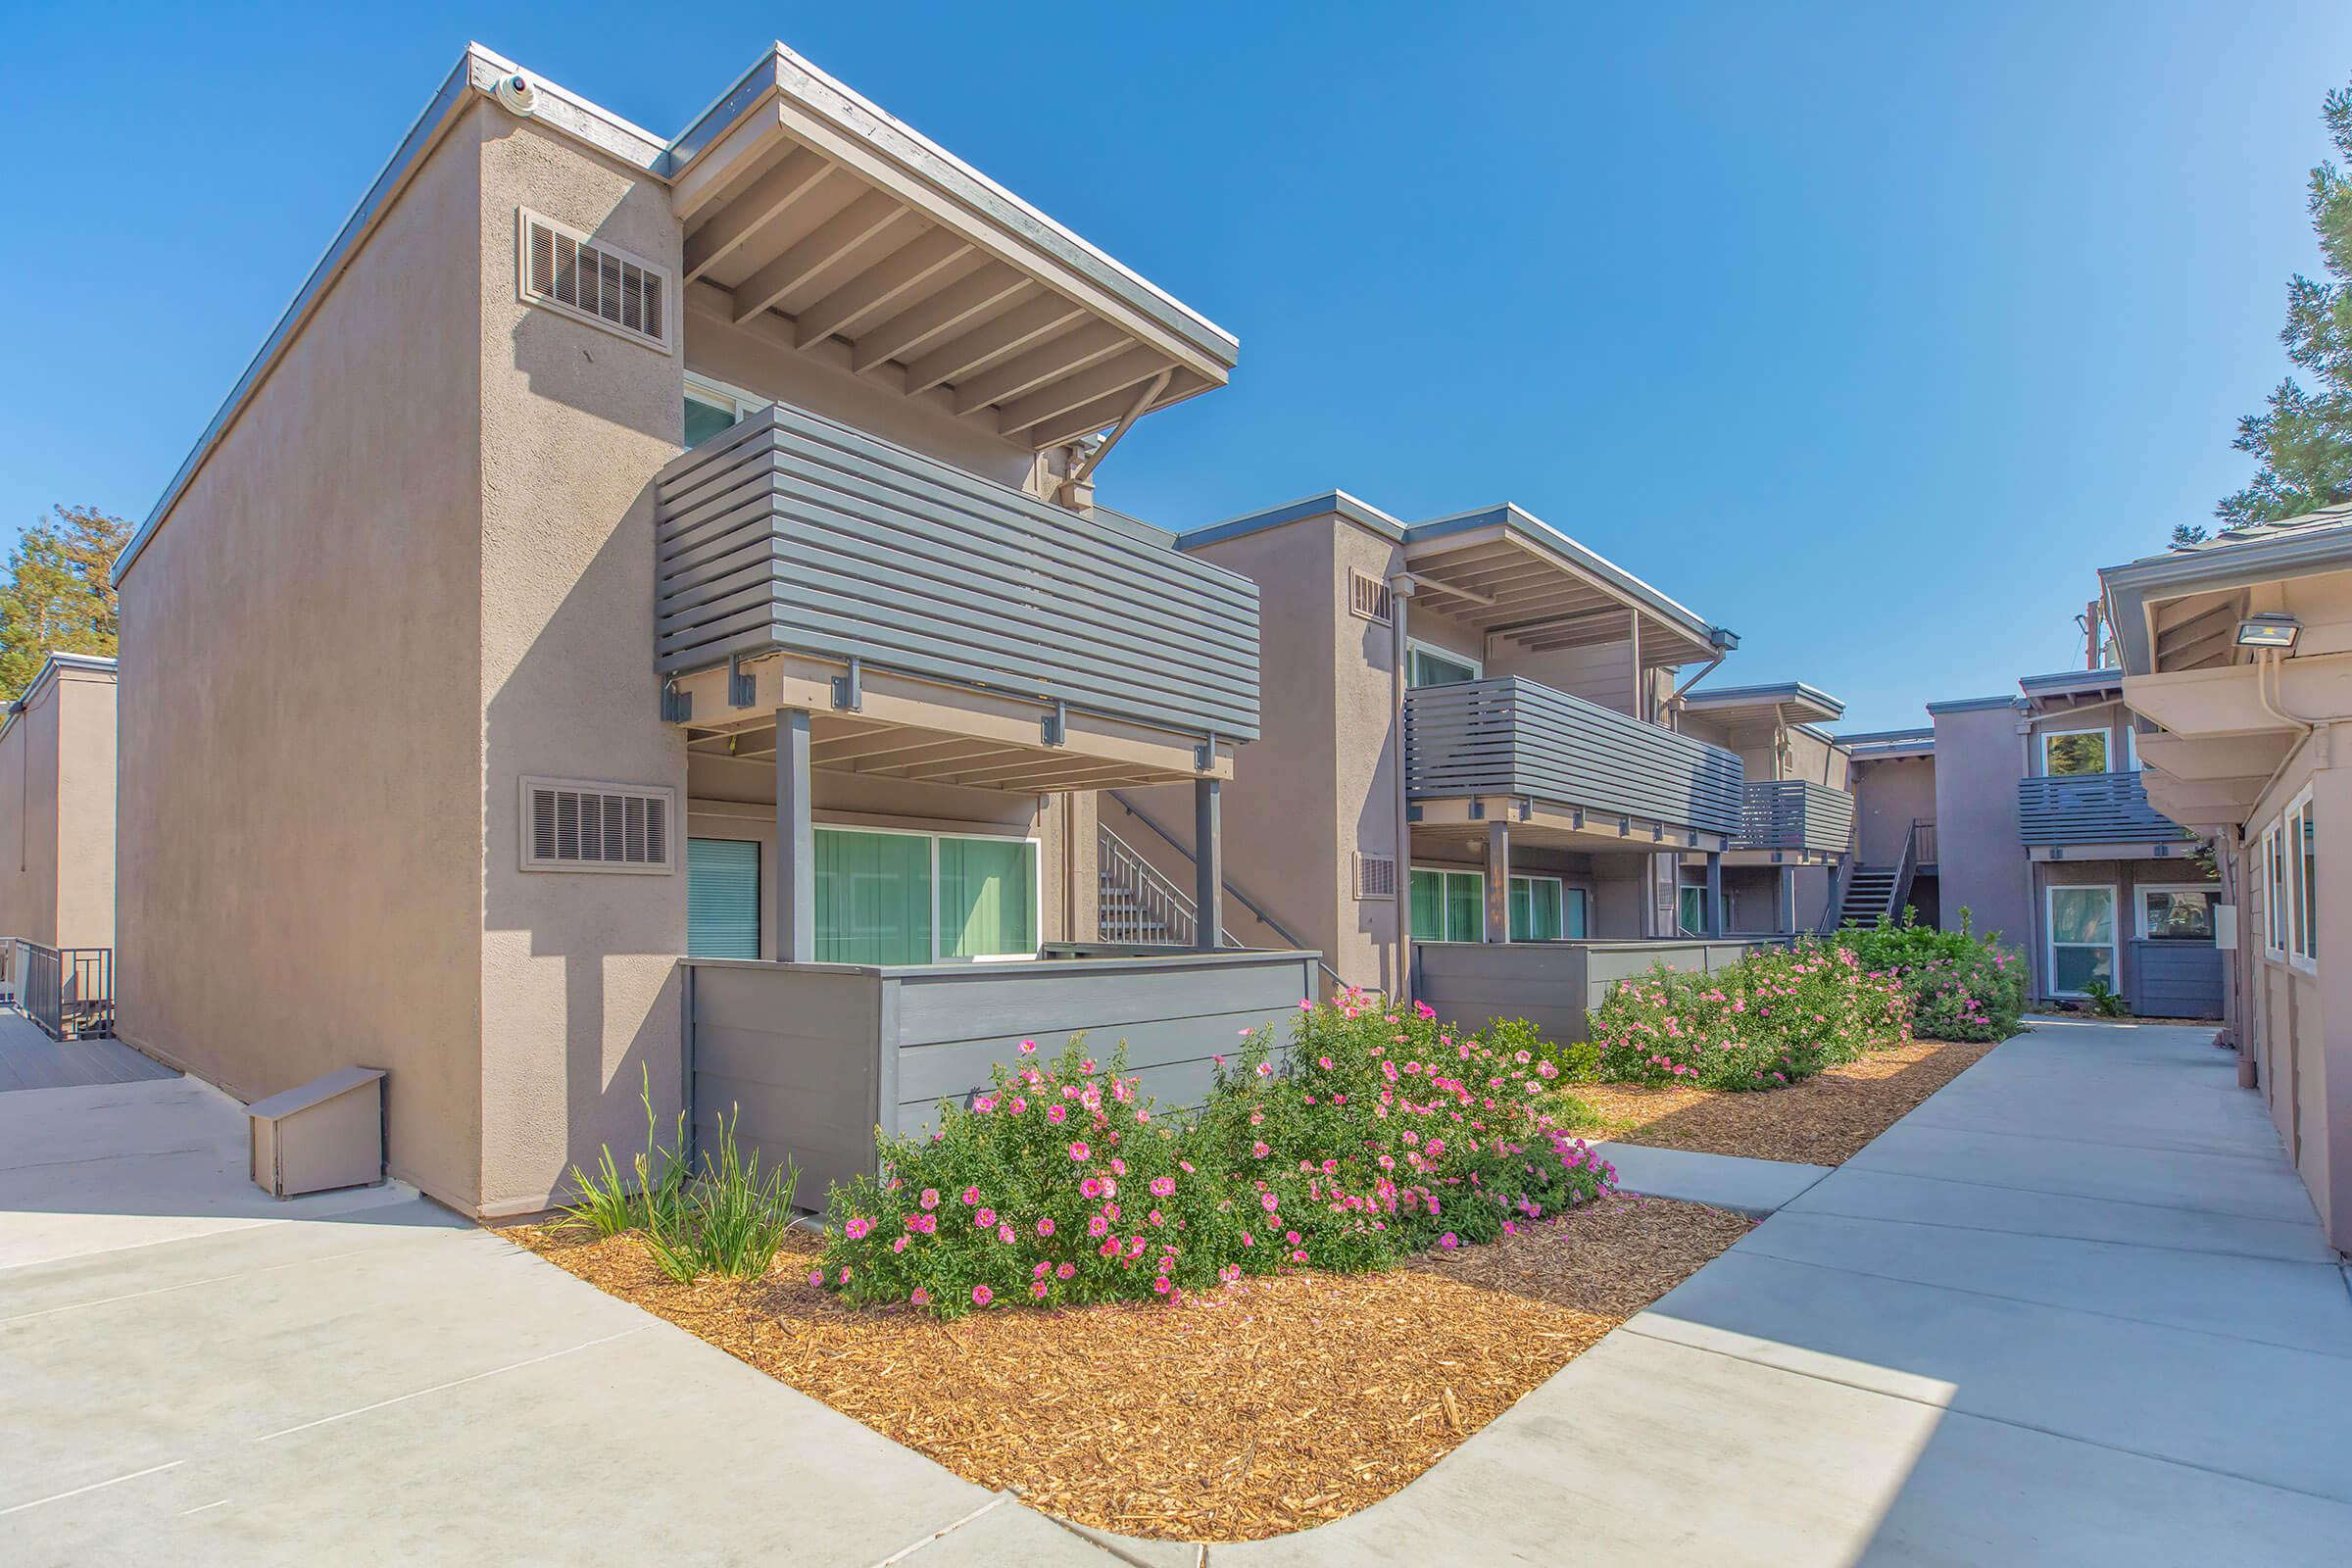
1375	876
569	825
565	270
1367	596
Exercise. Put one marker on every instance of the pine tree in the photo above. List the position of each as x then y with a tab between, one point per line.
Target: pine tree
56	596
2304	439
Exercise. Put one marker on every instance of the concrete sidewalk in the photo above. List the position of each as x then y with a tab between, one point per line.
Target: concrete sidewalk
2074	1308
193	1373
1752	1186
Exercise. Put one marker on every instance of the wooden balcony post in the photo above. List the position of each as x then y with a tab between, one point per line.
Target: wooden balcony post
1499	881
1208	869
795	878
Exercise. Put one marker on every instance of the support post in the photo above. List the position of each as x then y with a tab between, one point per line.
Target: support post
1208	869
795	878
1499	881
1714	893
1788	921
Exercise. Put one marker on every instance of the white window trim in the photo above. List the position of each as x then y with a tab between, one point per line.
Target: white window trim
2103	731
710	389
1452	870
2050	932
673	833
1414	644
671	303
2298	812
2211	890
1532	877
2273	895
2132	748
1037	884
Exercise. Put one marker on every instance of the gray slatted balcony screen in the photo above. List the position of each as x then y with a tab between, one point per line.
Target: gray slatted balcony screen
1509	736
2090	808
793	532
1795	813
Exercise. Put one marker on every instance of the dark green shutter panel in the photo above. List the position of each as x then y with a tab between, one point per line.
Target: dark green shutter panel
722	898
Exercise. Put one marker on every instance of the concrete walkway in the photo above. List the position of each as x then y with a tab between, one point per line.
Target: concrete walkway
30	1060
2072	1309
1744	1186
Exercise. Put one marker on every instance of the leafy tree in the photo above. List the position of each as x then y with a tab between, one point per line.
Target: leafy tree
55	595
2303	441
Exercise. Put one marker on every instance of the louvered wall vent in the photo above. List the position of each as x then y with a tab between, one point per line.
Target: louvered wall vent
566	270
1375	876
572	825
1367	596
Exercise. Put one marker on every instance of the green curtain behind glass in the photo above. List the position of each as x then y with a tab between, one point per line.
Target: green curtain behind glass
873	897
1534	909
987	896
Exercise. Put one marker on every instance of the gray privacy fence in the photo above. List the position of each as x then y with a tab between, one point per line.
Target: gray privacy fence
793	532
1552	985
2175	979
1509	736
812	1058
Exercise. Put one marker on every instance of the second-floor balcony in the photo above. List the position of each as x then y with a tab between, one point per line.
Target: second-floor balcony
1794	815
2076	809
1608	771
797	535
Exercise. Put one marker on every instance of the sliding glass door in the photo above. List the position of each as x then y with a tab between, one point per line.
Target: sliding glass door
917	898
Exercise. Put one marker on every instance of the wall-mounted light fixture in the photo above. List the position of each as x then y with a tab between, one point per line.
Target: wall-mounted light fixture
2269	630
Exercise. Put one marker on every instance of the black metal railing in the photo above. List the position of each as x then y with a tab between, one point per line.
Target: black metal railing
69	992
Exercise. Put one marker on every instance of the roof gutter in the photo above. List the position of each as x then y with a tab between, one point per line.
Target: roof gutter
2127	588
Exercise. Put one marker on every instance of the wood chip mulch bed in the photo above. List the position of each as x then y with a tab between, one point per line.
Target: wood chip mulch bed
1276	1406
1821	1120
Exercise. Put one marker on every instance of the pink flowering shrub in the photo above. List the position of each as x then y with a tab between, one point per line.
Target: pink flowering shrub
1063	1185
1962	986
1774	1017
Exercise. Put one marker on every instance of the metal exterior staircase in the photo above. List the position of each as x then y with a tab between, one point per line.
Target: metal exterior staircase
1135	903
1873	893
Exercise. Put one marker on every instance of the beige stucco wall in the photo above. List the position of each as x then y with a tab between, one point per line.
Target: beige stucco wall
85	808
300	808
29	820
1889	795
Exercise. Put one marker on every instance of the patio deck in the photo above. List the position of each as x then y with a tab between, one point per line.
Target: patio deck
30	1060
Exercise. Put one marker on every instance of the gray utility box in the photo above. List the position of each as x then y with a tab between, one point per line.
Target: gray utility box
329	1132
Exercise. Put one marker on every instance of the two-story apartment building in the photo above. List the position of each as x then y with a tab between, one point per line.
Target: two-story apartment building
2029	812
2236	657
1797	830
1469	778
644	607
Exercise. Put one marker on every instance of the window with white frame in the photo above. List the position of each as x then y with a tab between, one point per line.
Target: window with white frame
2083	937
2303	871
1449	905
2176	914
2066	753
1425	665
713	407
2273	894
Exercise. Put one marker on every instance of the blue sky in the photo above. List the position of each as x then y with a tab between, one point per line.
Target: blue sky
1868	331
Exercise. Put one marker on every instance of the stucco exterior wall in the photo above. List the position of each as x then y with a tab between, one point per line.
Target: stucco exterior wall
29	826
1980	856
85	810
300	877
1889	795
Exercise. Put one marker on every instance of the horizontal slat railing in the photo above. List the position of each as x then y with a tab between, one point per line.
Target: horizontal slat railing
793	532
2090	808
1795	814
1510	736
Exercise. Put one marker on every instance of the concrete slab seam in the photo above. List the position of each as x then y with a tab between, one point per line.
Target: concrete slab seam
945	1531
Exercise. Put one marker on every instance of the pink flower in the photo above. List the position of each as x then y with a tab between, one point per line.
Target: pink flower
1057	1115
1162	1186
985	1218
1045	1227
1261	1149
971	1195
1080	1152
899	1246
1092	1186
1038	1288
816	1277
982	1296
1004	1233
845	1274
919	1297
1063	1271
1086	1066
1266	1069
1161	1285
1269	1202
856	1229
930	1198
1028	1048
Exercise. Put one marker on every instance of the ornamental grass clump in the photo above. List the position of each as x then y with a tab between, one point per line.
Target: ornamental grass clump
1063	1185
1774	1017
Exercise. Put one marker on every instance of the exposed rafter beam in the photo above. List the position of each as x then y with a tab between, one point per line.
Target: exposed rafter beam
1105	413
961	753
892	278
1024	323
868	215
914	326
1059	356
773	193
1442	586
1116	375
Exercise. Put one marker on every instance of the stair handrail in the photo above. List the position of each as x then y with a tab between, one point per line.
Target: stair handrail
1899	894
1155	894
1236	894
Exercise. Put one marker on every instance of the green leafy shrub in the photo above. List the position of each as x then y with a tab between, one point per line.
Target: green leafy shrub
652	1194
727	1219
2103	998
1578	1060
1384	1135
1764	1022
1963	986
